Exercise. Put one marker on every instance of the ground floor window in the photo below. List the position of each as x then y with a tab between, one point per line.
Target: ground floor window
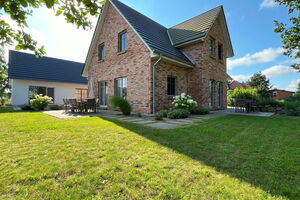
171	91
45	91
212	92
81	93
121	87
220	94
103	93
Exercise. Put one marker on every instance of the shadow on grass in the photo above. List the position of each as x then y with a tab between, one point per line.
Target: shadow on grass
264	152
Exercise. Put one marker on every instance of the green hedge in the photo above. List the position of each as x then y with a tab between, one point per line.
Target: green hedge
121	104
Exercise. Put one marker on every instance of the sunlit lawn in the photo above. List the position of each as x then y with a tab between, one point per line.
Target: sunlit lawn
232	157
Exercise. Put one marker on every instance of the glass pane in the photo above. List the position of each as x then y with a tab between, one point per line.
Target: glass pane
50	93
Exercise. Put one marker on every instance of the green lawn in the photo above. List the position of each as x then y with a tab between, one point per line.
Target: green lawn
232	157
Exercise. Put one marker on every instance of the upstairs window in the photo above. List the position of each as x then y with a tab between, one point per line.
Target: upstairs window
220	51
122	41
171	86
101	52
212	47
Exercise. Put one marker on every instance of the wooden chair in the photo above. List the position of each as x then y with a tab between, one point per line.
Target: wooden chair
74	105
240	105
91	104
66	105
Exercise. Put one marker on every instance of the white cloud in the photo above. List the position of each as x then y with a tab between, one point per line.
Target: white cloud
278	70
293	85
264	56
268	4
61	40
241	78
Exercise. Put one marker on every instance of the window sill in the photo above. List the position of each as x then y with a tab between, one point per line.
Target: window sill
100	61
122	52
212	57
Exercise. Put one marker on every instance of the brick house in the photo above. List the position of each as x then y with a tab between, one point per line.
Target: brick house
135	57
281	94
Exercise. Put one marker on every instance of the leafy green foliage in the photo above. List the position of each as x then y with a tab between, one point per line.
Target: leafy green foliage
26	107
4	84
290	34
55	107
178	114
261	83
271	103
184	101
120	103
200	111
245	93
292	105
6	110
76	12
40	102
161	114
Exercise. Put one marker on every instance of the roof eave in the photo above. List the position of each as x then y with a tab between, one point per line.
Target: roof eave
174	60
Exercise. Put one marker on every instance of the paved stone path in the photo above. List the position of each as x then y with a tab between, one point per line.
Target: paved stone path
163	124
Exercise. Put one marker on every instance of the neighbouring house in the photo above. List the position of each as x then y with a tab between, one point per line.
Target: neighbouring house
235	84
53	77
136	58
281	94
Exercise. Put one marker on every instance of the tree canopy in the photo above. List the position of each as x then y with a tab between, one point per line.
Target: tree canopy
290	34
3	76
76	12
261	83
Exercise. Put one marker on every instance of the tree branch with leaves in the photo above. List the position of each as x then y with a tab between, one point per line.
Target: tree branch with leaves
76	12
290	34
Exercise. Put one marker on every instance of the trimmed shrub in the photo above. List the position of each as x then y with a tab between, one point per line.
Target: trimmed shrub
6	110
184	101
55	107
200	111
121	104
292	108
271	103
26	107
159	116
178	114
115	101
40	102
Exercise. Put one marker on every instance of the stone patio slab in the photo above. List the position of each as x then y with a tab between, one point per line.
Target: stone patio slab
162	125
145	122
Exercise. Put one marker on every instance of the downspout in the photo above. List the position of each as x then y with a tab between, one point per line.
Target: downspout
153	83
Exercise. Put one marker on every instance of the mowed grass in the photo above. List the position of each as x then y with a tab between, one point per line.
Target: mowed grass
232	157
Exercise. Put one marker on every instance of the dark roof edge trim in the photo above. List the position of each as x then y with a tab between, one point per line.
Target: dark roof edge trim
175	60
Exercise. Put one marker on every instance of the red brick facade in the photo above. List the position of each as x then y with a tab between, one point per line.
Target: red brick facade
136	64
281	94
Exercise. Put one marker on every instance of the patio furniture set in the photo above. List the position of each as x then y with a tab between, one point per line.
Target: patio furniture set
244	105
80	106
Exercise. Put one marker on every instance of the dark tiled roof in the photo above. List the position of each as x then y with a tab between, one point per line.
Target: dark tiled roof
194	28
155	35
28	67
236	84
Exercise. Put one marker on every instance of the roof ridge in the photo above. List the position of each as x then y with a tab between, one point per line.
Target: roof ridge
221	6
140	13
45	56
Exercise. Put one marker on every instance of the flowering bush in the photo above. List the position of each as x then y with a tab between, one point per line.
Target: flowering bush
40	102
184	101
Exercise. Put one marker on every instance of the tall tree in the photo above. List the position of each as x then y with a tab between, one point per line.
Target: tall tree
76	12
261	83
290	34
3	77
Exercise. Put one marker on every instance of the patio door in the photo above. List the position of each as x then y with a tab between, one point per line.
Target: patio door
103	93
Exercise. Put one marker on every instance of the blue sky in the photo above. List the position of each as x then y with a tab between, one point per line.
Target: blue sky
250	22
